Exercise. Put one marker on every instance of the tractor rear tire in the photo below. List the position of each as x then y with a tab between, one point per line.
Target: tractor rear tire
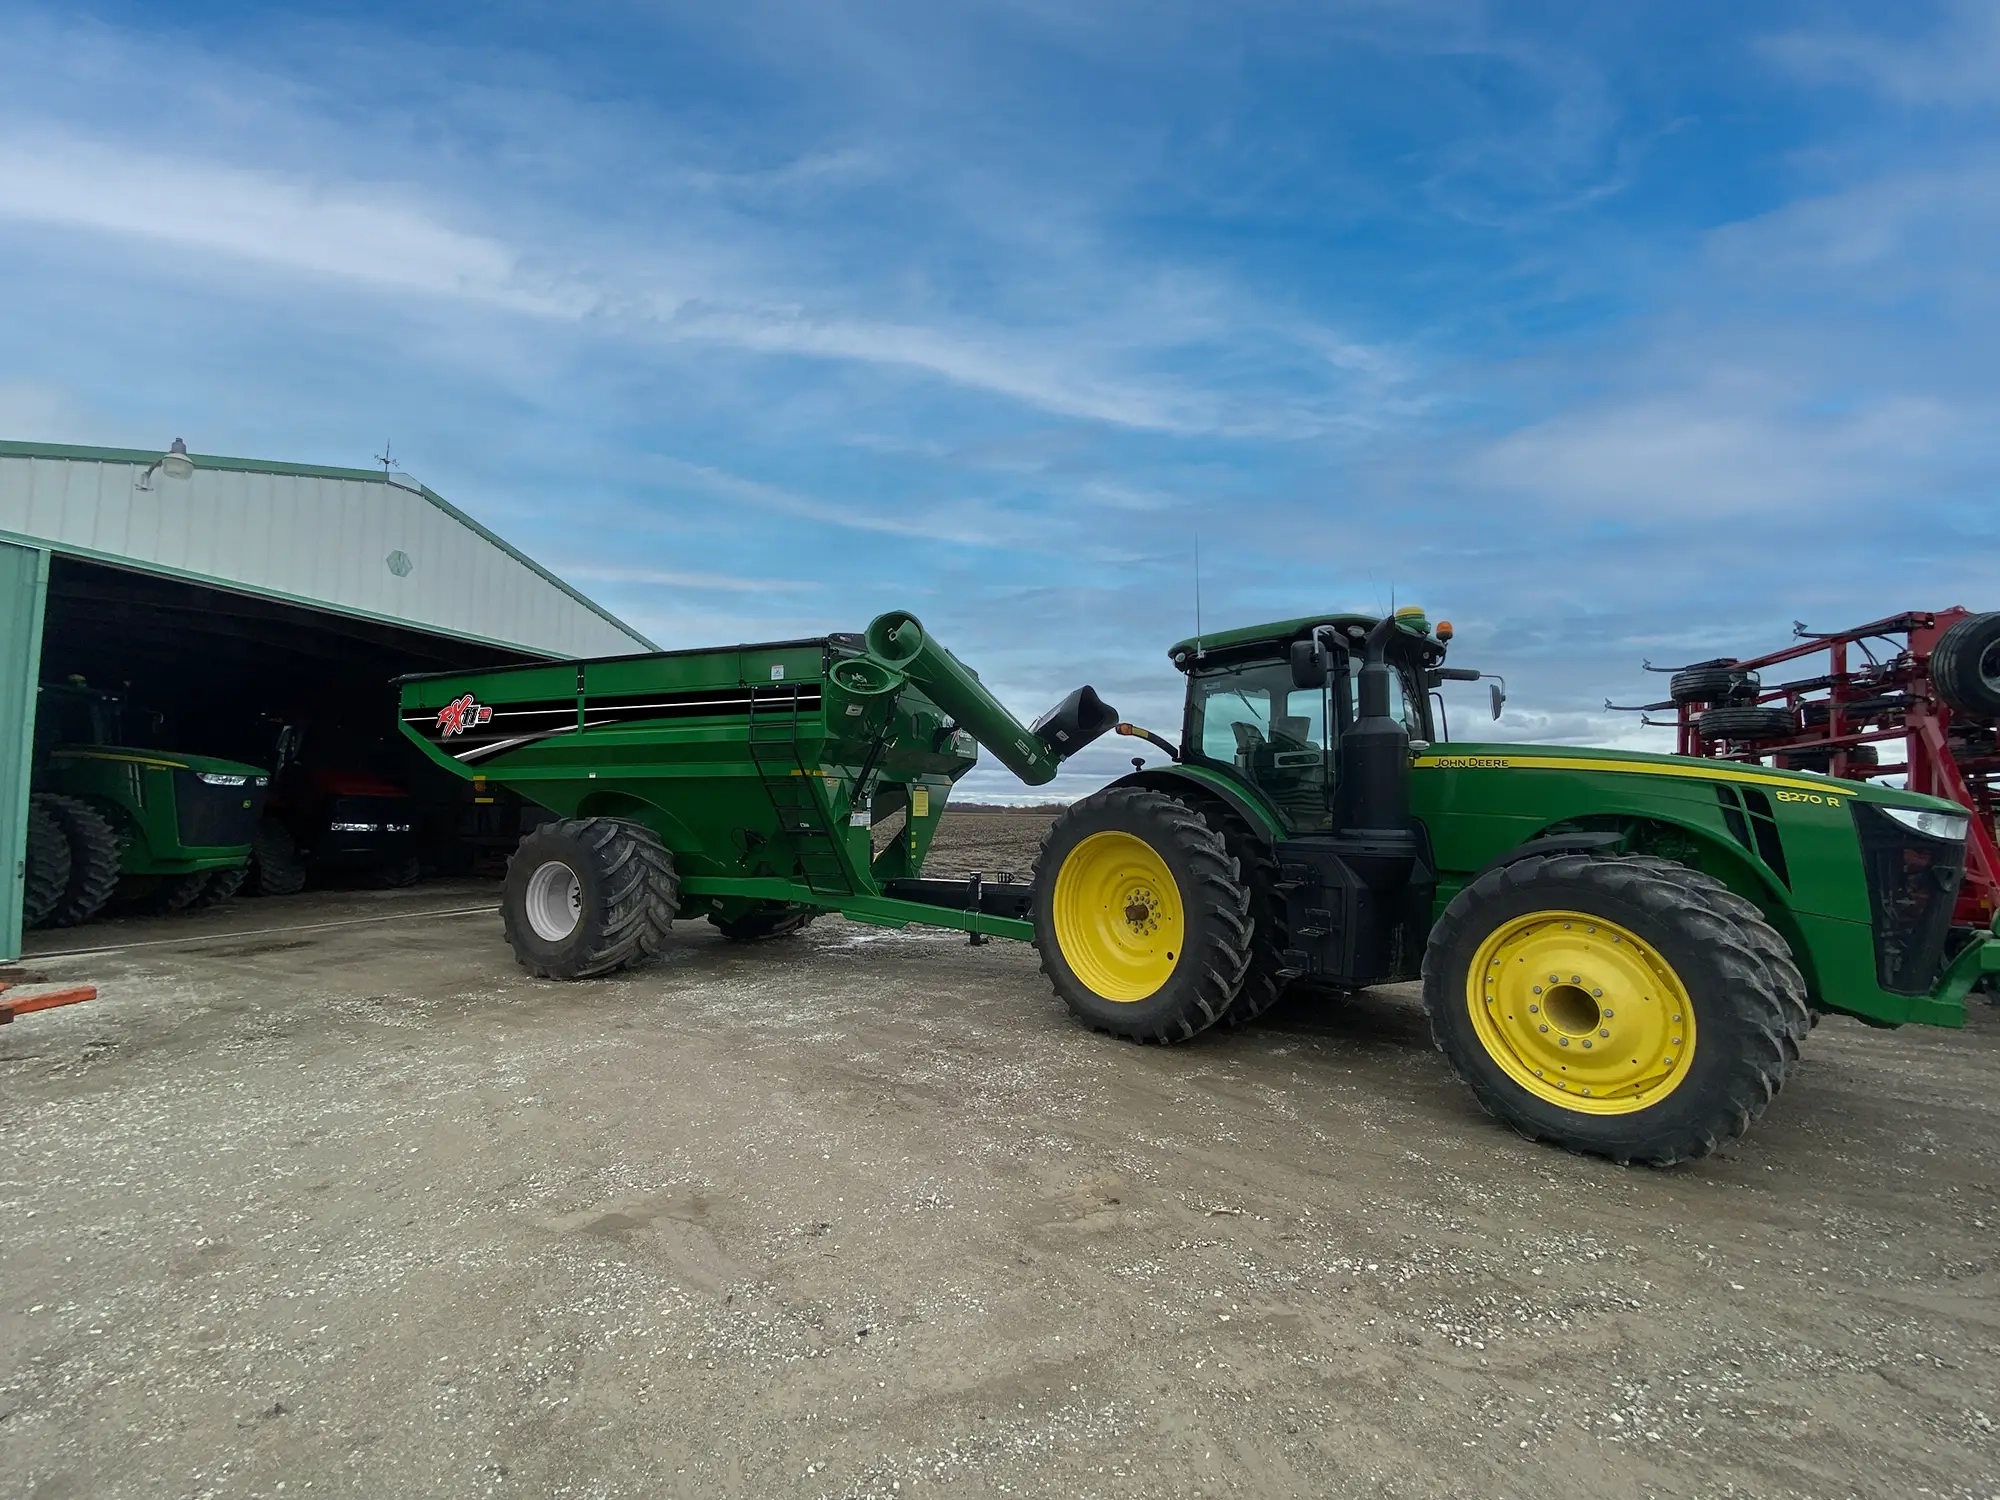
1142	920
756	926
586	896
1965	666
222	886
95	855
47	865
1712	685
1660	959
1266	980
275	866
1742	724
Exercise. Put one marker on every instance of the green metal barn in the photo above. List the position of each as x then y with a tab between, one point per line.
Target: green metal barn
215	590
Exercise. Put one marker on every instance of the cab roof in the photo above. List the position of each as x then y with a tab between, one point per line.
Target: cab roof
1281	633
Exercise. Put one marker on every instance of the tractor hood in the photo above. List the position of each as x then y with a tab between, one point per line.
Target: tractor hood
165	760
1510	757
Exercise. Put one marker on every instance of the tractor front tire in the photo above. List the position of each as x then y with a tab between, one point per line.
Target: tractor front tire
47	872
772	922
95	856
587	896
222	886
1625	1007
1142	919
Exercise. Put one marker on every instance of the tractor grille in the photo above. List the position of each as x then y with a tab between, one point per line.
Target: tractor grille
1912	883
212	817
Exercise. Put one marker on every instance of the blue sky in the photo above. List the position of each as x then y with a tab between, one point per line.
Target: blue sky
1605	331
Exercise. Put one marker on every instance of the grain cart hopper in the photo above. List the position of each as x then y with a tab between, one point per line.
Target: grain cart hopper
1621	953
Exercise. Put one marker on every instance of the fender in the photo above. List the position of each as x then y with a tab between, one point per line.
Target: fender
1179	780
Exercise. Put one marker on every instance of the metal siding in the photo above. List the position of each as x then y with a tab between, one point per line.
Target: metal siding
319	539
24	575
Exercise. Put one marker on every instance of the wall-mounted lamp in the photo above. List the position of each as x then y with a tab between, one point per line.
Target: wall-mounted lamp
174	463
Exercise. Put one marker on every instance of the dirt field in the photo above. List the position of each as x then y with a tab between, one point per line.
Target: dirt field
359	1210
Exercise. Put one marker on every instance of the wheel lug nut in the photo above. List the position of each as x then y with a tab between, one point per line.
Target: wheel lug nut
1602	1032
1599	995
1609	1014
1545	1025
1534	1010
1586	1041
1565	1041
1538	989
1576	979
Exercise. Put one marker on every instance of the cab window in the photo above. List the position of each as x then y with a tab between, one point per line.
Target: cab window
1271	733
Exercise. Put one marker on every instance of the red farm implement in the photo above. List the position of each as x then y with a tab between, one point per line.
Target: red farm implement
1915	696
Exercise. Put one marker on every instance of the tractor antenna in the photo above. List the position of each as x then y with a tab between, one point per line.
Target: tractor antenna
1197	597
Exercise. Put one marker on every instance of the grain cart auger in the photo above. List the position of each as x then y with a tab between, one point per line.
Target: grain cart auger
1621	953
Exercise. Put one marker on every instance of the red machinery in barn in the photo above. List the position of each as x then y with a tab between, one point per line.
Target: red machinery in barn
1922	704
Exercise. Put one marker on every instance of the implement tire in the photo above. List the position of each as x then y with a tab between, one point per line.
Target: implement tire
47	865
1141	918
586	896
1625	1007
1965	665
756	926
1712	685
1746	724
95	855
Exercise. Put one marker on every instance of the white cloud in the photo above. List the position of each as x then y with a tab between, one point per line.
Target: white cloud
1957	63
363	235
666	578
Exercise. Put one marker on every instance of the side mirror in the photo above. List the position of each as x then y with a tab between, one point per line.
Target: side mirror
1499	697
1308	664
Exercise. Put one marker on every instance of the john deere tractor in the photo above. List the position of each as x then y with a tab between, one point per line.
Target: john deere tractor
111	820
1620	953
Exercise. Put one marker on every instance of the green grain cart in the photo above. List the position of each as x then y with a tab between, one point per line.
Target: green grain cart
1621	953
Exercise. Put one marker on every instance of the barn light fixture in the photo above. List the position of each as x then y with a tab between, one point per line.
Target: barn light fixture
174	463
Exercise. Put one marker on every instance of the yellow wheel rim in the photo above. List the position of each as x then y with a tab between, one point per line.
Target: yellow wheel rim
1118	916
1580	1012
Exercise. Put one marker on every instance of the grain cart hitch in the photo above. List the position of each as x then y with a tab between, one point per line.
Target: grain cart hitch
1621	953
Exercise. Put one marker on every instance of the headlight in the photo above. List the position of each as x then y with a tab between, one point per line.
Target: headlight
354	827
1933	825
217	778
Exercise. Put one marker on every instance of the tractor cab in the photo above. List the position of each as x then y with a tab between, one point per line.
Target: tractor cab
1271	705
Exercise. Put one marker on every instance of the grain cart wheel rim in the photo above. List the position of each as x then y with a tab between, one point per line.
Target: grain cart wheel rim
1119	916
1579	1011
554	901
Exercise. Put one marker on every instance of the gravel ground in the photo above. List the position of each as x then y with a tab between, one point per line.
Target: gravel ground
359	1210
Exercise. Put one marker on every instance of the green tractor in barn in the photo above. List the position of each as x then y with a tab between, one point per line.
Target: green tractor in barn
109	820
1620	953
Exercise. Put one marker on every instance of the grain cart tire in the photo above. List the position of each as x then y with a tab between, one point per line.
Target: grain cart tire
1742	724
47	865
1711	685
1965	665
772	922
95	854
1141	918
275	866
222	886
1265	981
1616	1006
586	896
